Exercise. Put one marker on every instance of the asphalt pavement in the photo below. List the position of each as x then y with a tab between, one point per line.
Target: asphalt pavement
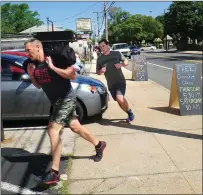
160	64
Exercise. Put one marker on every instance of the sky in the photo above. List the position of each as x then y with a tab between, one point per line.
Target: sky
66	13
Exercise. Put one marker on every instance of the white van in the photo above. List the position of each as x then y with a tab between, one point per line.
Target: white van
122	47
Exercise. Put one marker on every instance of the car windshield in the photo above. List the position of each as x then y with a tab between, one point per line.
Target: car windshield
120	46
133	47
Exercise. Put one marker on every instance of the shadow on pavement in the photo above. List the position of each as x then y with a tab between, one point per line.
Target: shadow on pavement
123	124
25	123
22	168
169	110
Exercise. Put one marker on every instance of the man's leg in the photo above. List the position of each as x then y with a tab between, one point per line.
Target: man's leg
52	177
56	146
122	102
76	127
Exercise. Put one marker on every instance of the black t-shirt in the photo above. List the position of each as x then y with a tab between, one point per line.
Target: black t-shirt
53	85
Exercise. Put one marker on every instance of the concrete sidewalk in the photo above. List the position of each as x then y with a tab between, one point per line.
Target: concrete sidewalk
159	153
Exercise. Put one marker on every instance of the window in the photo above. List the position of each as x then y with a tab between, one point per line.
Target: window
121	46
10	72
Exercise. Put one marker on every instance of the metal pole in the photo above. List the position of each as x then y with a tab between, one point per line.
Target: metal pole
2	130
52	26
133	67
165	34
97	23
106	24
47	23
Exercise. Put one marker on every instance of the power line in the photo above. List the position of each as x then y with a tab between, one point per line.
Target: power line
81	12
110	6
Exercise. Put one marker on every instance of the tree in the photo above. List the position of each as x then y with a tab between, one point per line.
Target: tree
185	19
160	19
70	30
17	17
124	27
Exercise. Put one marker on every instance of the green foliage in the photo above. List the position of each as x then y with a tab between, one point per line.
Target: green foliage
124	27
70	30
185	19
17	17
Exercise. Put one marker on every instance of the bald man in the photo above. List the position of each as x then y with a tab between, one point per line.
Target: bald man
54	79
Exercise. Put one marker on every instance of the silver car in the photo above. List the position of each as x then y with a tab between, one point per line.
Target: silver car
20	99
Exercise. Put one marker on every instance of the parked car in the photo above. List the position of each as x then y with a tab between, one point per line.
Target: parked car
122	47
17	53
148	48
20	99
80	66
134	50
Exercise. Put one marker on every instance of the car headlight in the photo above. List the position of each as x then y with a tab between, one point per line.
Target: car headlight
100	89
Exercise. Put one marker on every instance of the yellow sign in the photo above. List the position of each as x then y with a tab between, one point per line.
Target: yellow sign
174	99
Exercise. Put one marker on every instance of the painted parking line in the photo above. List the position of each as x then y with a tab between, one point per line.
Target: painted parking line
17	189
159	66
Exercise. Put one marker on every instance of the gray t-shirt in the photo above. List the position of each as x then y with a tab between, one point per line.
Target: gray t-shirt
112	74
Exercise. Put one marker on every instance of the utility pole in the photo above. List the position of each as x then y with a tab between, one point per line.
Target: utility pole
52	24
97	23
95	32
105	17
165	33
47	23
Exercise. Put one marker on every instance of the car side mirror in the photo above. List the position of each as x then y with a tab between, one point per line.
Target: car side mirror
25	77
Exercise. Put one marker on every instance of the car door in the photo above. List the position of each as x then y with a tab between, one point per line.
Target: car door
19	98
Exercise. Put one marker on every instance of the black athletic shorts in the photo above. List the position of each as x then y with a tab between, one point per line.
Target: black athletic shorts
118	89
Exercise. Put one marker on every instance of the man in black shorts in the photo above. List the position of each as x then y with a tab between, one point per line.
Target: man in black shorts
109	64
54	79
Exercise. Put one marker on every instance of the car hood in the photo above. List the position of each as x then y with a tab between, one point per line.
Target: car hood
81	79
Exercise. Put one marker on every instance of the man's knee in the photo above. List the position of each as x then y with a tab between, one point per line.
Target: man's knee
120	99
54	128
75	125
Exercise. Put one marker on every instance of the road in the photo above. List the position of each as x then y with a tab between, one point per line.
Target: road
160	65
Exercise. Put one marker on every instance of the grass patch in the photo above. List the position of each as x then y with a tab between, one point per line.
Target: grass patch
64	189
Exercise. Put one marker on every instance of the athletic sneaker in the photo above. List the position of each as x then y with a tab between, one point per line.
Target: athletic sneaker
99	152
130	116
50	177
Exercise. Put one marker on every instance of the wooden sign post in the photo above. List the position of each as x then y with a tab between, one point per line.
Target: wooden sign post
133	67
186	89
140	68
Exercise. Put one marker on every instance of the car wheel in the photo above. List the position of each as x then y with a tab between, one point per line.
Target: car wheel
80	111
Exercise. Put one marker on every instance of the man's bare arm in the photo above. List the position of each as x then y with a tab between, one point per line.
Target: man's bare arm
34	82
68	73
125	63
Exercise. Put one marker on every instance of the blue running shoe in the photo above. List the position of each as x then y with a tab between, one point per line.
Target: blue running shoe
130	116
